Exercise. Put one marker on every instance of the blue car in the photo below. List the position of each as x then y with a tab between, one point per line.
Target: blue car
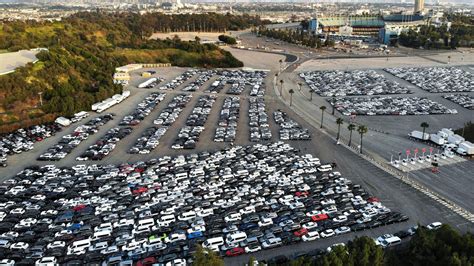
248	226
196	234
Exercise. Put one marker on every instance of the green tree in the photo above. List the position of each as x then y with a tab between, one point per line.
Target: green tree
323	109
206	257
362	130
291	91
351	127
424	125
339	122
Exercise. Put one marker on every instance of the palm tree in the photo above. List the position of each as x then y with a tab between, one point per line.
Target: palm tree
424	125
291	91
339	122
310	95
281	87
299	85
351	127
281	62
323	108
362	130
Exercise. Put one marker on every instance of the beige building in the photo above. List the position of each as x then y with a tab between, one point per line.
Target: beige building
419	6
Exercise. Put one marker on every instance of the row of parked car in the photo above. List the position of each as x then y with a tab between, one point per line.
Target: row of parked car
385	241
241	199
228	120
143	109
24	139
150	138
188	136
70	141
289	128
258	120
358	82
463	99
204	75
387	105
437	79
177	81
105	144
239	79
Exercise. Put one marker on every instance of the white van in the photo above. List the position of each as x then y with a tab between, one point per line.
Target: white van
391	241
101	234
236	237
78	247
146	222
186	216
213	242
325	168
166	220
180	176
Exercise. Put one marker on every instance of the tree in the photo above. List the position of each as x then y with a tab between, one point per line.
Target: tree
206	257
299	85
281	87
339	122
351	127
322	108
281	63
227	39
424	125
362	130
333	105
291	91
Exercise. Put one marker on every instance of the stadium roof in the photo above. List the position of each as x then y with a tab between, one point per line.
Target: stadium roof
365	21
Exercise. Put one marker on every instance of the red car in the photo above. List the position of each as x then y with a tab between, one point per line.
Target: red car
139	190
319	217
146	261
79	207
301	232
302	194
373	199
234	252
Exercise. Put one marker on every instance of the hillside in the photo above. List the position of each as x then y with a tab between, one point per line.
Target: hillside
84	50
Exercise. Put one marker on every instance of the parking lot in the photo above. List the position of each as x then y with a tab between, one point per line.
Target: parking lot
217	200
463	99
437	79
357	82
143	183
387	105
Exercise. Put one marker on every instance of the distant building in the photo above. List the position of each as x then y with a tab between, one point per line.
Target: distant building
313	25
392	30
122	78
419	6
361	25
346	30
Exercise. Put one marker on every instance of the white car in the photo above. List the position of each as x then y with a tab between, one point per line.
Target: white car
7	262
56	244
310	236
46	261
340	218
342	230
176	262
20	245
233	217
327	233
310	225
434	226
175	237
252	248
